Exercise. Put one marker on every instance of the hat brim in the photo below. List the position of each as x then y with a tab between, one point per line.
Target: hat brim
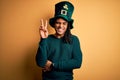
52	20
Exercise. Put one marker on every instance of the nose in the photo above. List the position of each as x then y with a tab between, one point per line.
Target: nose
60	25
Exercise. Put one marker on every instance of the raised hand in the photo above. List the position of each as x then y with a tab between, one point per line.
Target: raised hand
43	29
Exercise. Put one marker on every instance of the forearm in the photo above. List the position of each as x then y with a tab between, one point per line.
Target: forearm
68	64
41	57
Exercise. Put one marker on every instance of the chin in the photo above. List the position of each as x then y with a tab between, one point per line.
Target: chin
60	33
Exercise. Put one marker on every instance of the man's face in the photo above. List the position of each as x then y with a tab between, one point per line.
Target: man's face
60	26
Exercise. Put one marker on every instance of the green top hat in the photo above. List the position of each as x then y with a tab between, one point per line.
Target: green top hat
63	10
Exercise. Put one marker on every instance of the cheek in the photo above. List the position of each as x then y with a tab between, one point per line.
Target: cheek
65	28
55	26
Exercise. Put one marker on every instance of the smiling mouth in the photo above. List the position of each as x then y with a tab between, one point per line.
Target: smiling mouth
60	29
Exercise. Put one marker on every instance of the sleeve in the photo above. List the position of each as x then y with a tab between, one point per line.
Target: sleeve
41	56
74	62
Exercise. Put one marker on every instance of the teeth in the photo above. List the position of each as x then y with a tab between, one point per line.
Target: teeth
60	29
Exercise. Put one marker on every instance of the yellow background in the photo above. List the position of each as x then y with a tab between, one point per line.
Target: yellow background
97	24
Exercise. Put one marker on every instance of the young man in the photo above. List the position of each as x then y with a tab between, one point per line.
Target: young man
58	54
